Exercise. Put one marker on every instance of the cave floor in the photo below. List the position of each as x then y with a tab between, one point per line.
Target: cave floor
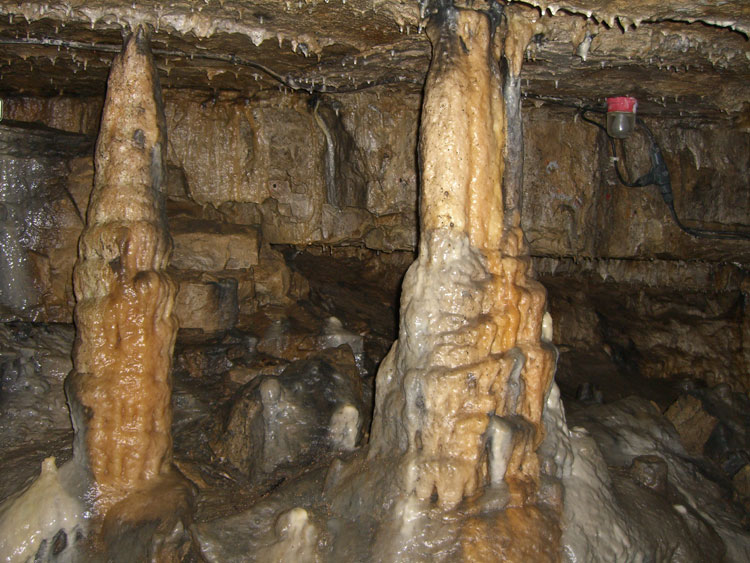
213	372
210	371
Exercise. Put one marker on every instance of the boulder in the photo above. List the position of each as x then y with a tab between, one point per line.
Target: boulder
692	422
212	247
275	282
206	302
279	423
650	471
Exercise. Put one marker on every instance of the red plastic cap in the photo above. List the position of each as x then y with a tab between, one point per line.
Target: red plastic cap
622	103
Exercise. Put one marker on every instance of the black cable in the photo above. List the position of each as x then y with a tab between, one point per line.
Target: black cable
659	177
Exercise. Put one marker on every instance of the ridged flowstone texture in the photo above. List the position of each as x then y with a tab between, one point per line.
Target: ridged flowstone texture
120	388
460	396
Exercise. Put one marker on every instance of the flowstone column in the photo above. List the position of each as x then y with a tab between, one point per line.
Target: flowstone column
120	389
460	396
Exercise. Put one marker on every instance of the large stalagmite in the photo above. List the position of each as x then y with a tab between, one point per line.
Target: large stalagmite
461	393
120	388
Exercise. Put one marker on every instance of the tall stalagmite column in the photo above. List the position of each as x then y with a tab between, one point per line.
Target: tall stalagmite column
120	389
460	395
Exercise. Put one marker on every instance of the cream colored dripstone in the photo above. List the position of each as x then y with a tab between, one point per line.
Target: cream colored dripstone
470	347
120	389
31	518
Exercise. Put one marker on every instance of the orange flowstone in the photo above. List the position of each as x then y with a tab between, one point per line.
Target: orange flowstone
470	310
125	327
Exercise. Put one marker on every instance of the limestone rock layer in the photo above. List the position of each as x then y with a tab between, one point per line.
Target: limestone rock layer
461	394
120	388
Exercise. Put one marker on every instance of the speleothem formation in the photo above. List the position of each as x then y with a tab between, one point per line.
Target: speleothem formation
461	393
120	389
313	162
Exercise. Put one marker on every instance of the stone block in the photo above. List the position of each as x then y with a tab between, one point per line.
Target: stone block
692	422
246	300
741	484
272	278
213	247
207	302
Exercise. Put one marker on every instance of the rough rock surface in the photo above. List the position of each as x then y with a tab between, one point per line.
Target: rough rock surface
603	507
200	245
206	302
741	484
575	205
650	471
575	215
582	50
329	159
681	321
693	424
278	424
34	361
704	523
40	221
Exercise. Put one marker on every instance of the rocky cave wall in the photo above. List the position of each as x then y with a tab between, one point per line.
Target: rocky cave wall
294	215
245	174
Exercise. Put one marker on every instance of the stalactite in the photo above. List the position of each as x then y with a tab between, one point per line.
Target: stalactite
470	371
120	389
330	158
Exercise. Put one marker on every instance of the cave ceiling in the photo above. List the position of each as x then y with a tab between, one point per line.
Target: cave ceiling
678	58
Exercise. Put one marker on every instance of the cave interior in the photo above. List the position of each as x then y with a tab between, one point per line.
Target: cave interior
294	166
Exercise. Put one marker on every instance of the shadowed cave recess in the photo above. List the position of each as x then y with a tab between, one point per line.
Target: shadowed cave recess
369	280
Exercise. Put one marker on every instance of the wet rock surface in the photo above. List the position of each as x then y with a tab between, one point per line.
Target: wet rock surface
313	371
582	50
279	423
34	417
233	524
651	472
119	390
640	328
634	427
268	177
214	373
40	221
34	360
44	522
693	424
307	141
